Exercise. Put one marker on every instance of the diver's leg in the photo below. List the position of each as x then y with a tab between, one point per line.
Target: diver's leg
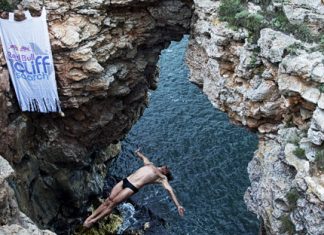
122	196
114	192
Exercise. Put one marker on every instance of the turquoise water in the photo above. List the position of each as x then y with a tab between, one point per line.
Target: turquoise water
206	153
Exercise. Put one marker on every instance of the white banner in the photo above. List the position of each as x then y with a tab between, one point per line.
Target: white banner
27	49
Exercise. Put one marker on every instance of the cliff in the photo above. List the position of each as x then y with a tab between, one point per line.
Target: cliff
263	64
105	55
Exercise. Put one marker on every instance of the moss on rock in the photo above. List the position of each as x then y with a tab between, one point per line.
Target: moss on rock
108	225
287	225
236	13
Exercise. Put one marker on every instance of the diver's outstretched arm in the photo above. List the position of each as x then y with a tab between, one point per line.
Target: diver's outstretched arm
169	189
143	157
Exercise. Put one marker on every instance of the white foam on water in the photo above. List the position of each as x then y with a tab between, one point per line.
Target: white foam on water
127	211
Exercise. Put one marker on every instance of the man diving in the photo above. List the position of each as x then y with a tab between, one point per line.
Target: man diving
147	174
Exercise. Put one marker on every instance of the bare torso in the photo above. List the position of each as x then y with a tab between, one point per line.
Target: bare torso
145	175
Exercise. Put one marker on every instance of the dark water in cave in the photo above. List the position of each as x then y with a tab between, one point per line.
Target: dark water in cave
207	154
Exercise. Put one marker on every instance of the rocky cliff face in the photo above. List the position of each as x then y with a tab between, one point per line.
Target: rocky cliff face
273	85
105	56
14	221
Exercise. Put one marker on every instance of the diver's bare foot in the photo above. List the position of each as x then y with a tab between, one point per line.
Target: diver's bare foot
88	224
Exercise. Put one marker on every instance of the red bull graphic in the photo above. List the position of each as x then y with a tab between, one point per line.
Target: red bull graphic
29	66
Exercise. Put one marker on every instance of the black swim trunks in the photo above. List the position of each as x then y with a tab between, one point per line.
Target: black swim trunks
127	184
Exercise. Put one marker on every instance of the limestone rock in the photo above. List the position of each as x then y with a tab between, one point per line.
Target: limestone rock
321	101
5	170
77	75
301	165
273	43
92	66
295	84
228	72
253	8
267	196
309	12
69	35
267	128
16	229
7	210
315	132
316	136
129	2
308	66
318	118
312	95
82	54
265	89
4	81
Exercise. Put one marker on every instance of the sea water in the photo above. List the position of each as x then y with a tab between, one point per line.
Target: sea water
206	153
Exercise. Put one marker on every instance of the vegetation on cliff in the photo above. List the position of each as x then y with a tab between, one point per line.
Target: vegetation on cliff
5	6
237	14
287	226
319	160
300	153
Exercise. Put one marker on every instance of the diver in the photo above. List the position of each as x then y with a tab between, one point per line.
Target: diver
147	174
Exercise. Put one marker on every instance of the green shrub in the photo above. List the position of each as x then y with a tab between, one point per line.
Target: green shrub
228	9
300	153
286	225
236	14
288	121
301	32
292	197
256	63
280	22
321	43
253	22
293	49
321	88
319	160
294	139
253	62
5	6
